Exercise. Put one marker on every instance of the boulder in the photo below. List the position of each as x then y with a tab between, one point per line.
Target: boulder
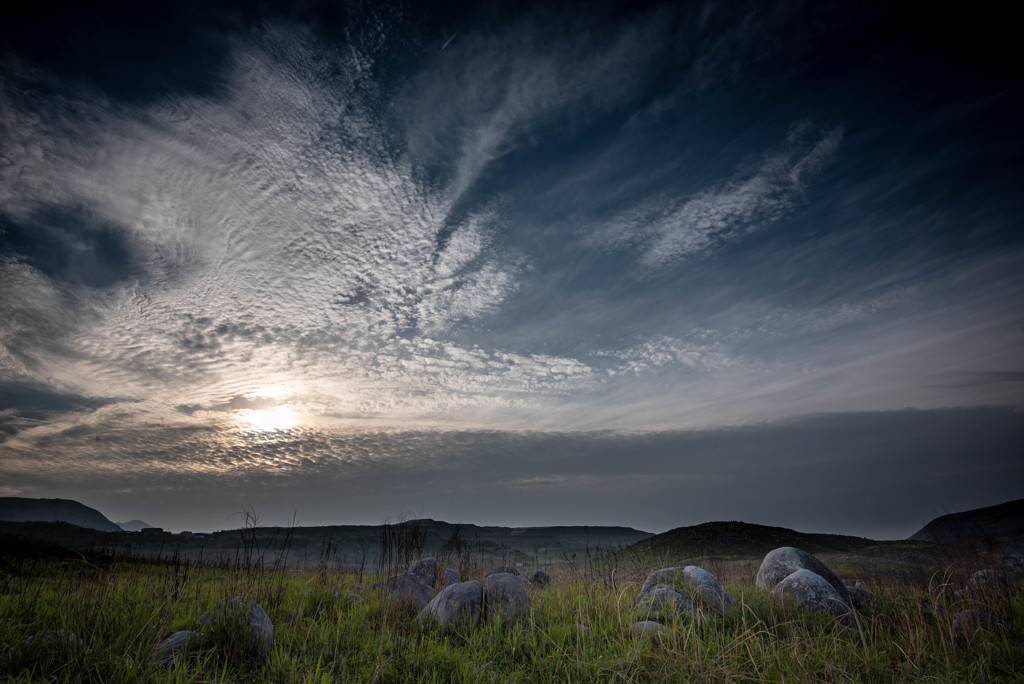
783	562
459	604
967	621
425	571
173	647
662	601
451	576
699	584
505	570
648	627
811	591
504	593
407	589
260	629
860	597
541	578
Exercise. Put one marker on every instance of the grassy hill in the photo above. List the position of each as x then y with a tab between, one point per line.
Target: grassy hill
994	527
742	540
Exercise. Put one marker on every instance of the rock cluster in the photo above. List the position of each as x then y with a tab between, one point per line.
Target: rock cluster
467	604
798	575
216	625
689	590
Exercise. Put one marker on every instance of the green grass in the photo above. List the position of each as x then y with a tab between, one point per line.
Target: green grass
117	616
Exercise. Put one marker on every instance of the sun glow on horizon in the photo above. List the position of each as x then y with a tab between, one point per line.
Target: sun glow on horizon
270	420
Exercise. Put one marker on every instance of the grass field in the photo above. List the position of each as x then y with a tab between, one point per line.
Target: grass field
101	623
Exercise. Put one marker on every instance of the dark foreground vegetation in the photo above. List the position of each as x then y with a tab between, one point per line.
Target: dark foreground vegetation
101	617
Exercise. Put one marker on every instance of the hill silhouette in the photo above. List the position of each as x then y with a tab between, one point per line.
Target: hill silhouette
19	509
994	527
741	539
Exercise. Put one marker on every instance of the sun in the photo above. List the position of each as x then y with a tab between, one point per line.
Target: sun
270	420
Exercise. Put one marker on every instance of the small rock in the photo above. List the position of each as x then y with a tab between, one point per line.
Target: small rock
359	588
541	578
354	598
935	609
974	620
503	592
989	581
648	627
378	586
220	578
457	604
53	638
813	592
663	601
407	589
583	629
261	630
425	571
783	562
451	576
171	648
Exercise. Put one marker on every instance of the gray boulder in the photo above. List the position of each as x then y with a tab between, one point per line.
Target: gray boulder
812	592
459	604
783	562
699	584
407	589
860	597
237	608
451	576
541	578
504	593
662	601
173	647
648	627
425	571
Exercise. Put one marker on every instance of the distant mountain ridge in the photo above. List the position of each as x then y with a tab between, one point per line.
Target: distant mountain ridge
1000	526
20	509
134	525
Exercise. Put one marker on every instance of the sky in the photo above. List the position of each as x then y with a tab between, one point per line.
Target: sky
643	264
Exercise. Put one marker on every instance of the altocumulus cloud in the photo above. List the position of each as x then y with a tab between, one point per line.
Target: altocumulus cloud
512	259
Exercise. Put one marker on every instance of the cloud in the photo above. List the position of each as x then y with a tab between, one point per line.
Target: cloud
275	237
875	473
668	231
489	92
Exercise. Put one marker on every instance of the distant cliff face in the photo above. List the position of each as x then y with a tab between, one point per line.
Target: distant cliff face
17	509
